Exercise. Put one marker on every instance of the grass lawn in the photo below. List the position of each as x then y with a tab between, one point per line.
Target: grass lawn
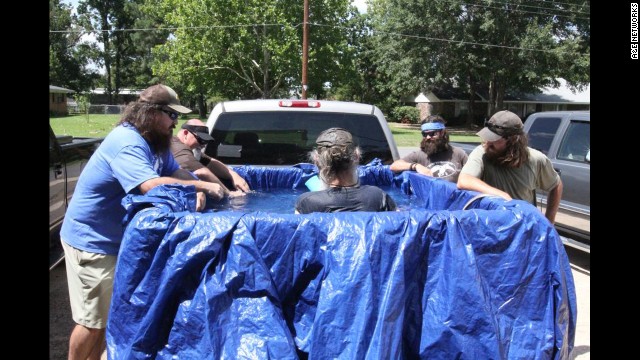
97	125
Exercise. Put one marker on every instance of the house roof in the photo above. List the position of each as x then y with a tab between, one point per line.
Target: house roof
121	91
58	89
560	95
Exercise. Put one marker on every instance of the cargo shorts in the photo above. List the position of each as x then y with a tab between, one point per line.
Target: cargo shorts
90	282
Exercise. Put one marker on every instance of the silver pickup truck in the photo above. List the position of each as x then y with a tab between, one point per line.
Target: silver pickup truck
67	157
283	132
565	137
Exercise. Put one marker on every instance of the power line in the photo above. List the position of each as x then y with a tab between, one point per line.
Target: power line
167	28
543	8
316	24
444	40
526	12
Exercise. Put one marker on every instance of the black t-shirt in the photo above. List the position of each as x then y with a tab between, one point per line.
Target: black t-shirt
336	199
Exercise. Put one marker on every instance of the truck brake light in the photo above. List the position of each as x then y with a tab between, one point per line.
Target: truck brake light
299	103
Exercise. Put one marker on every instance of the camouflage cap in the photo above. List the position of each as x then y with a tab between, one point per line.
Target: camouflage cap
334	137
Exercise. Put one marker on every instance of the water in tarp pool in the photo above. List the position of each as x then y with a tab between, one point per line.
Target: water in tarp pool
282	201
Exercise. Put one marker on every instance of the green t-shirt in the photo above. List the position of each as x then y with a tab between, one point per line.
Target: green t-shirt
519	183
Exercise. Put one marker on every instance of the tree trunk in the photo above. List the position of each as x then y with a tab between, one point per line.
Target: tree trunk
500	89
472	101
492	96
107	56
202	106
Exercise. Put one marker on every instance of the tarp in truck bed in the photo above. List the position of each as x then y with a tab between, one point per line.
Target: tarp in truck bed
489	282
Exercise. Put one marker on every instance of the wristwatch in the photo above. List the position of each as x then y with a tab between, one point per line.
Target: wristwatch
413	166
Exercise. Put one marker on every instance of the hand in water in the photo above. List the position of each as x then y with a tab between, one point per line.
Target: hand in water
201	201
239	182
236	193
214	190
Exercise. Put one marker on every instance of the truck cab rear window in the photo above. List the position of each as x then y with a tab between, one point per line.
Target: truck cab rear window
287	137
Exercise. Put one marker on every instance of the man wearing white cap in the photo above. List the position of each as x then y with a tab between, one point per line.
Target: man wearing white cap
505	166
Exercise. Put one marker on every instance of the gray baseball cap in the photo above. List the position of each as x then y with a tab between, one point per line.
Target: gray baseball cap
163	95
503	123
334	137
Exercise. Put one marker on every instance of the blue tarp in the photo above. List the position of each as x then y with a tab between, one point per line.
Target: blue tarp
489	282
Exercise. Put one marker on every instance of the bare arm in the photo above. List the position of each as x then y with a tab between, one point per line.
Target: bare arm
205	174
468	182
553	202
221	170
402	165
183	177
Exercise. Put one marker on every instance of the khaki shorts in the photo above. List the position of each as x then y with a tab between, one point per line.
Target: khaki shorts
90	281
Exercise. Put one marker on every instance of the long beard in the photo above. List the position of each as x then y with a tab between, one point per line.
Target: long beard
159	140
433	146
495	157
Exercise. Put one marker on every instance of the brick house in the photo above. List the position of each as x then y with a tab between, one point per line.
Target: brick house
58	100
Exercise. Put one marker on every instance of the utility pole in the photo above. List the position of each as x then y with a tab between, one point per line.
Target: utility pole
305	48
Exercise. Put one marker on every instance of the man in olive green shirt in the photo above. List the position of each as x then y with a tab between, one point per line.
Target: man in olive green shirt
505	166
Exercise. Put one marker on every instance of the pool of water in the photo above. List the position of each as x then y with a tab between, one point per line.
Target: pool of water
282	201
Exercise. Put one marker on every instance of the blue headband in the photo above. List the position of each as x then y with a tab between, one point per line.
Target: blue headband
432	126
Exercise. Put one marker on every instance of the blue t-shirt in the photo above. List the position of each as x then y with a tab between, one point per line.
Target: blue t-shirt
123	161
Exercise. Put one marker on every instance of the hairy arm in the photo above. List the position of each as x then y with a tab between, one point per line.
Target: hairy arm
400	165
219	169
403	165
553	202
184	177
468	182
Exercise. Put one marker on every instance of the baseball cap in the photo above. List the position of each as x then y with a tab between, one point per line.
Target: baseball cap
503	123
202	132
334	137
163	95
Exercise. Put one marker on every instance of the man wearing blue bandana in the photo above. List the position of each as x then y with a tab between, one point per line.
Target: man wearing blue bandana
434	148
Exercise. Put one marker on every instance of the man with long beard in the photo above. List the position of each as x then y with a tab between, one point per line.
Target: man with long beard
505	166
434	147
134	158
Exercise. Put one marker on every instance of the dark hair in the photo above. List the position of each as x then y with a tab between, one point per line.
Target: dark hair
434	118
334	160
140	115
441	144
516	153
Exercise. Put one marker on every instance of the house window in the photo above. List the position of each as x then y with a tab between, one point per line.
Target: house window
462	108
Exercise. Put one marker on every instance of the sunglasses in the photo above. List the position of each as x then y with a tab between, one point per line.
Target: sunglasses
431	133
493	127
172	115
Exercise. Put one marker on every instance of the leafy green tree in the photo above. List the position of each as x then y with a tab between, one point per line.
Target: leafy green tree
249	49
125	51
495	46
68	55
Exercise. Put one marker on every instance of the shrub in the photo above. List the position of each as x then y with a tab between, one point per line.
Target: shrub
406	114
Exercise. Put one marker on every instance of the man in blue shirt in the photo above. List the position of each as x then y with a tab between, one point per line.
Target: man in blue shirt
134	158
